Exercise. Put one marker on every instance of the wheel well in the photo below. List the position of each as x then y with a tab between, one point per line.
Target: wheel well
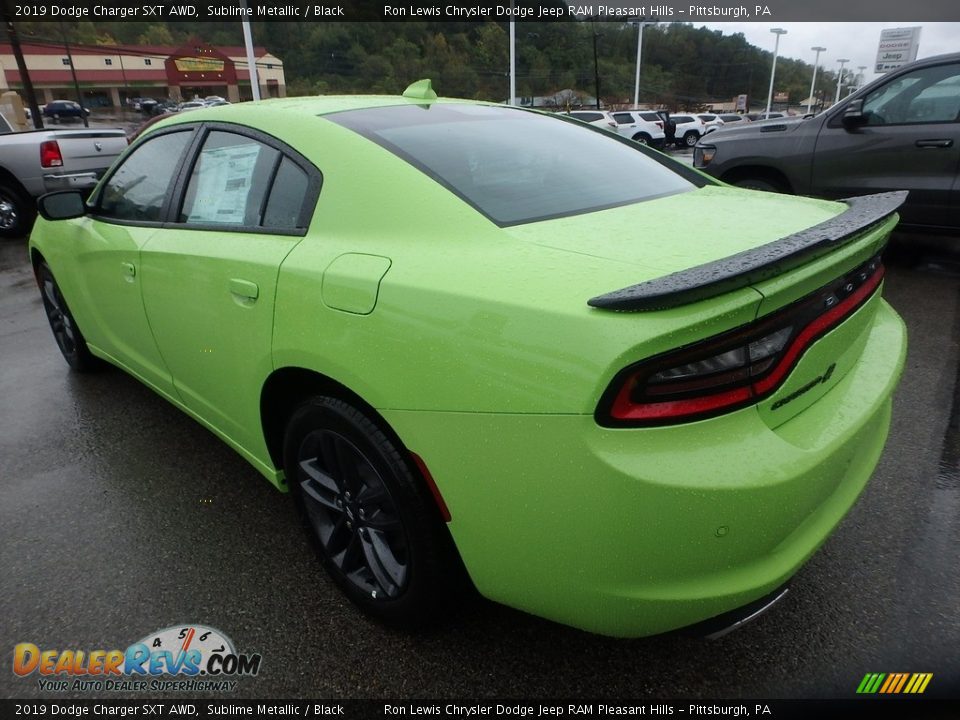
643	134
760	172
36	258
287	387
9	178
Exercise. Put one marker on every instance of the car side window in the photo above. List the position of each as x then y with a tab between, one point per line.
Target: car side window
623	118
927	95
139	187
286	196
229	182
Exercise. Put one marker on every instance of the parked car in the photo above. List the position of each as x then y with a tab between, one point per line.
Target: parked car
147	105
637	126
191	105
711	122
59	109
758	116
669	126
163	107
689	129
732	118
35	162
504	371
901	132
600	118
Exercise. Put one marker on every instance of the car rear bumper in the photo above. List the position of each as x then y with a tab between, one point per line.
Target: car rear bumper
632	532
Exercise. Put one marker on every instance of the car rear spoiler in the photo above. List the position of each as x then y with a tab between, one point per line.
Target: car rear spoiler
757	264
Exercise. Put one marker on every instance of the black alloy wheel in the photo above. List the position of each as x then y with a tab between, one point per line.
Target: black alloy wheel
374	528
69	339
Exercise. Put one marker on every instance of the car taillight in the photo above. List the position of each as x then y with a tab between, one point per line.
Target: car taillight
660	124
736	368
50	154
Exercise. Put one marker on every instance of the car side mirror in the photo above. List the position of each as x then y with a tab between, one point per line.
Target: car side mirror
853	116
62	205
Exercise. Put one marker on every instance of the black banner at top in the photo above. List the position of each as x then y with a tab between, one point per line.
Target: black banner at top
771	11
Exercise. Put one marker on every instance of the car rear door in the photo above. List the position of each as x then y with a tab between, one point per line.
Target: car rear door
209	277
911	141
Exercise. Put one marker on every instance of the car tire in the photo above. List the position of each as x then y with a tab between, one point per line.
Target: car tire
755	183
17	211
642	138
691	138
375	528
69	339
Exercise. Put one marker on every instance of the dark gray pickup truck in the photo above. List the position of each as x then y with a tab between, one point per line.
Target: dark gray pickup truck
40	161
900	132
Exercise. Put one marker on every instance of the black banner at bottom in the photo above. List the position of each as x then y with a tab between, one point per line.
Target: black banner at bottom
874	708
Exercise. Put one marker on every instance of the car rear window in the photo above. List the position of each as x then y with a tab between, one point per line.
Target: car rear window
587	116
516	166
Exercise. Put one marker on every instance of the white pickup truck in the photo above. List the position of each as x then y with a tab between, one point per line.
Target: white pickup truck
40	161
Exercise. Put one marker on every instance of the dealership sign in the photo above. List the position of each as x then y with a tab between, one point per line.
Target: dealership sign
898	46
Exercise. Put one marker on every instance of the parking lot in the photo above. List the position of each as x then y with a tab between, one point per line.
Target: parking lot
121	516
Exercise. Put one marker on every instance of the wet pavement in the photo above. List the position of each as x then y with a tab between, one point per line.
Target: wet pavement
120	516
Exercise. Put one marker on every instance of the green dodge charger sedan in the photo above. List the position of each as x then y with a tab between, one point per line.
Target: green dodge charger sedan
479	343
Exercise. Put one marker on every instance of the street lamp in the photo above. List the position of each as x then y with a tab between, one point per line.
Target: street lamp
513	56
861	77
773	70
842	61
813	84
636	83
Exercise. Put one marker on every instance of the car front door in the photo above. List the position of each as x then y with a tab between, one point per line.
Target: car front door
209	277
127	212
910	141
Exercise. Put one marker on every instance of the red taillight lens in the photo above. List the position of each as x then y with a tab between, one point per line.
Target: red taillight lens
736	368
50	154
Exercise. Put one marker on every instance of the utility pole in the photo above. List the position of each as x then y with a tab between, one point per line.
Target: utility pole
596	66
73	73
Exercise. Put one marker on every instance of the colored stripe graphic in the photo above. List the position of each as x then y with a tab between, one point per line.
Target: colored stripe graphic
894	683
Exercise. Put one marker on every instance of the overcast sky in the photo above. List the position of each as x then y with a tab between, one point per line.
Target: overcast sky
855	41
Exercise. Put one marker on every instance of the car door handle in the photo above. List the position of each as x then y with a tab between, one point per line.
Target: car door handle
129	269
244	289
945	143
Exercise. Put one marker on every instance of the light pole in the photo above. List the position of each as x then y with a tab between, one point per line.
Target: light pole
636	83
513	56
773	70
813	84
861	77
842	61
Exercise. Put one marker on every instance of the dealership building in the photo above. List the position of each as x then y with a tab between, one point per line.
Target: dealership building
109	75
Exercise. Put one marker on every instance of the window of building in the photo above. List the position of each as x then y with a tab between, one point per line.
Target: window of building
65	61
108	61
147	61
